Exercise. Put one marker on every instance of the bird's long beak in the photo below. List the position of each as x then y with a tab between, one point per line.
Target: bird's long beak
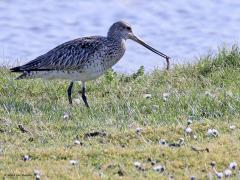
136	39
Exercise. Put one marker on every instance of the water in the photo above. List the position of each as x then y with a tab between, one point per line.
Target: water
181	29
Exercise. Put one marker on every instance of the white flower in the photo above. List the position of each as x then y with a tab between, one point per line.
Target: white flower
65	116
227	172
195	137
73	162
215	132
212	132
162	142
77	142
192	178
181	141
26	158
37	177
159	168
138	130
209	132
37	172
188	130
147	96
166	96
137	164
232	127
189	121
233	165
219	175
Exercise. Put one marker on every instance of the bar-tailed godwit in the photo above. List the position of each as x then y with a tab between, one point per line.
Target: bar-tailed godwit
83	59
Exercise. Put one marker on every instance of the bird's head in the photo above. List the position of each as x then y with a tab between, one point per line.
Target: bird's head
122	30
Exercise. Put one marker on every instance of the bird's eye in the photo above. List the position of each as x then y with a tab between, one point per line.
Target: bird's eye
129	28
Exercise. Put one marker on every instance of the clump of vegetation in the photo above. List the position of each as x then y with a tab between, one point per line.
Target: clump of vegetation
161	124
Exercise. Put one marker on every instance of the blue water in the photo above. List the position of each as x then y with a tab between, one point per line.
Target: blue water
181	29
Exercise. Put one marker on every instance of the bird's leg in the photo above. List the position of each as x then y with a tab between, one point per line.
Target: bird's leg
84	98
69	92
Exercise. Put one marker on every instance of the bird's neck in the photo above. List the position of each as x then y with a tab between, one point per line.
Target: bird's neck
115	36
119	42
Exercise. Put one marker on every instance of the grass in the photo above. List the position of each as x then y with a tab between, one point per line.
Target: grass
207	92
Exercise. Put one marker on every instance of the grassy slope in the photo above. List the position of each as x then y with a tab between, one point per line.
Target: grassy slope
208	92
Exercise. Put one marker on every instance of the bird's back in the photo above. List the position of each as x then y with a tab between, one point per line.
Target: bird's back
89	56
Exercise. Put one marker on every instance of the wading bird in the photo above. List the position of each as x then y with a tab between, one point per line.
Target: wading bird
83	59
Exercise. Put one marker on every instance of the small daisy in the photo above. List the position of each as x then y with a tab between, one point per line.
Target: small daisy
209	132
227	172
232	127
166	96
26	158
73	162
65	116
189	122
77	142
137	164
192	178
181	141
147	96
37	177
162	142
188	130
138	130
233	165
195	137
219	175
159	168
212	132
215	132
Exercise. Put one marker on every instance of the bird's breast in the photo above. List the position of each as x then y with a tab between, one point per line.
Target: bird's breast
113	55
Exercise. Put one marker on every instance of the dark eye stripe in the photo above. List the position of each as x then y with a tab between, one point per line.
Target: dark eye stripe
128	28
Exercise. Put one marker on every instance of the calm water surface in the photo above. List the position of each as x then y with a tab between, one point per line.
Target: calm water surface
181	29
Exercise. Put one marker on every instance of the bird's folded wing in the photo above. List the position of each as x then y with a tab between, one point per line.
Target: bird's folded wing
71	55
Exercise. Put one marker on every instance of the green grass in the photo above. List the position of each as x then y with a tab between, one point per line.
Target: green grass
207	92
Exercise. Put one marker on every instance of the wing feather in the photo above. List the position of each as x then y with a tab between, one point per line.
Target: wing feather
67	56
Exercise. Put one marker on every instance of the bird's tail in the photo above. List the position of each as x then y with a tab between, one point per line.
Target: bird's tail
18	69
